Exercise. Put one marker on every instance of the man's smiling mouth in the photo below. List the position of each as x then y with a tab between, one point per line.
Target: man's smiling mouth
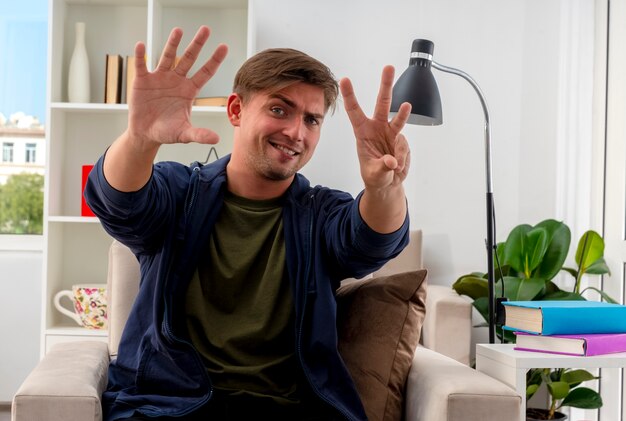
284	149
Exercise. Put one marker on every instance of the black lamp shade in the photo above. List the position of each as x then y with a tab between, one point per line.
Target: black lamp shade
418	87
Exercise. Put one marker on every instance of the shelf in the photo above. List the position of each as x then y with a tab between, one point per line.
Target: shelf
89	107
120	108
178	3
218	4
74	219
76	331
77	134
109	2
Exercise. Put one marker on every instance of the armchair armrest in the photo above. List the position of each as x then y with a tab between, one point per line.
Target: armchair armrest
447	327
440	388
66	384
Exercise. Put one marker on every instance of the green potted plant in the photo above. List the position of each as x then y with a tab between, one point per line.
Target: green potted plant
527	262
563	386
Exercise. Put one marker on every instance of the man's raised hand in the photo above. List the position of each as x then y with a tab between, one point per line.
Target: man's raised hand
383	152
160	103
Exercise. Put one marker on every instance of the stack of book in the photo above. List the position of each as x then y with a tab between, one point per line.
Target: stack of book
115	79
567	327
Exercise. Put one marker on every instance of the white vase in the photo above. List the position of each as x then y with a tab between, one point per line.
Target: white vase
78	78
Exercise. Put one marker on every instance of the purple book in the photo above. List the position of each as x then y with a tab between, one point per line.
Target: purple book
581	344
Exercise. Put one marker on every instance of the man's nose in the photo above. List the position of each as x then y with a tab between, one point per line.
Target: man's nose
295	129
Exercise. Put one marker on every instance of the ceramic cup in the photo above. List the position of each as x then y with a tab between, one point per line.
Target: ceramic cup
90	305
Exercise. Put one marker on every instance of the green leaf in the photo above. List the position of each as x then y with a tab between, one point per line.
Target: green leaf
558	390
530	390
599	267
471	286
571	271
583	397
535	248
519	289
563	295
482	305
515	246
530	288
559	238
590	249
603	294
533	376
479	274
577	376
501	253
551	287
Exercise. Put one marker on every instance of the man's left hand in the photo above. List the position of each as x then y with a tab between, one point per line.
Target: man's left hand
383	151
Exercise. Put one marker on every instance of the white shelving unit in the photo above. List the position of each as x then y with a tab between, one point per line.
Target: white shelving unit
76	247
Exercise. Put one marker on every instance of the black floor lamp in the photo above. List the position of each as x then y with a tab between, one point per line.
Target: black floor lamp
417	86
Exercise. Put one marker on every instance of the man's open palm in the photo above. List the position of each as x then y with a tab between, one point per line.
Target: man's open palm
160	102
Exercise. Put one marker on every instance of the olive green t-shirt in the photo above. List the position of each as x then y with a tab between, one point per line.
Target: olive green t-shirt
239	304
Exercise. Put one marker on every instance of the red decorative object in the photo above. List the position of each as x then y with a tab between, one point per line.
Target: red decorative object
84	208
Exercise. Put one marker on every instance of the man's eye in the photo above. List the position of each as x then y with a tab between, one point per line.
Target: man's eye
277	110
312	121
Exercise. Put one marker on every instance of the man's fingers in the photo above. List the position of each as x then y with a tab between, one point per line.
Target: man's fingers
383	102
169	52
402	116
391	163
192	51
401	152
198	135
140	59
209	68
354	111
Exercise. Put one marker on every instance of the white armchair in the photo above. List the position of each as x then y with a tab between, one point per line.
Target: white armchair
68	382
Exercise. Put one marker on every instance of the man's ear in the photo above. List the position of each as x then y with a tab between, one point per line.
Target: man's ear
233	109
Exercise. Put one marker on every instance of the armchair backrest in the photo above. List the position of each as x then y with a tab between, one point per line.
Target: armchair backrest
409	259
122	289
123	281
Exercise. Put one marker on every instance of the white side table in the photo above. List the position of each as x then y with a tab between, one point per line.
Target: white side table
503	363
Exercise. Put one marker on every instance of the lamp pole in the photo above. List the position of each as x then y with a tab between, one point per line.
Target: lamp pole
490	241
418	87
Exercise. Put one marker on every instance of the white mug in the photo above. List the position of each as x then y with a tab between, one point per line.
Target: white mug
89	302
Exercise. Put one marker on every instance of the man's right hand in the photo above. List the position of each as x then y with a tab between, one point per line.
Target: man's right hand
160	110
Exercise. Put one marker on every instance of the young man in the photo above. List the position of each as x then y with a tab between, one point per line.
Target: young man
240	259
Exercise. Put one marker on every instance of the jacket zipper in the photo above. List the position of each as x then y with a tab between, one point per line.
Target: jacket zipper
194	192
301	321
166	324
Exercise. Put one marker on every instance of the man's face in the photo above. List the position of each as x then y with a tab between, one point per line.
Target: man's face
279	131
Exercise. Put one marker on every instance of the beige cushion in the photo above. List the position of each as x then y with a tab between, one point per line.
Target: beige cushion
122	289
379	322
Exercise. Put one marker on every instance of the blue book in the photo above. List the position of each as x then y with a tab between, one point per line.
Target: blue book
564	317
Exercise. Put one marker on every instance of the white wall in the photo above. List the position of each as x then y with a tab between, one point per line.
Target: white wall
512	49
20	307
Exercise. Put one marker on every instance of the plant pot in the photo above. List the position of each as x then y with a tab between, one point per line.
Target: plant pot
537	414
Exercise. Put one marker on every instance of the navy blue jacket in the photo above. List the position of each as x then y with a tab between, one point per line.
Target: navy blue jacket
166	224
